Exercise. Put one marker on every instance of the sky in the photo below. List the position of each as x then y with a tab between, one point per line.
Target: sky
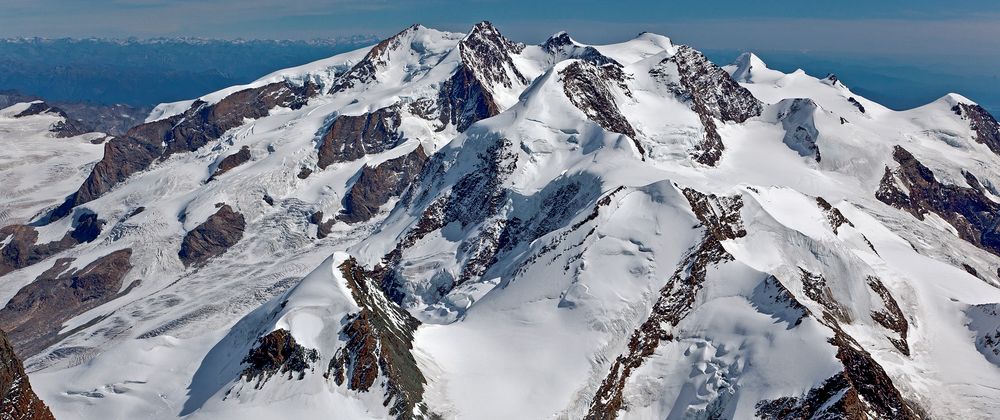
949	37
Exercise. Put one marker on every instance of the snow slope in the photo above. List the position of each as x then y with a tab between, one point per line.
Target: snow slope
565	251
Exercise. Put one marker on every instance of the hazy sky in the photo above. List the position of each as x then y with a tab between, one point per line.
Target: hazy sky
870	26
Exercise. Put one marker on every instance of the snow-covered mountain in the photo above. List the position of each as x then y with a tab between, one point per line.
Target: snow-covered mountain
452	225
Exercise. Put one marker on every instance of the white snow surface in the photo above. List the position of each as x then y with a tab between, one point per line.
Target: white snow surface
535	335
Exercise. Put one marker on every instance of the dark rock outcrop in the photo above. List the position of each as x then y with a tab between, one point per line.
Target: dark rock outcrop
142	145
467	96
323	229
488	54
856	104
34	316
833	215
376	185
379	342
212	238
68	127
675	301
712	93
351	137
561	47
721	218
22	251
913	187
365	70
17	400
982	122
891	317
232	161
277	352
463	100
589	88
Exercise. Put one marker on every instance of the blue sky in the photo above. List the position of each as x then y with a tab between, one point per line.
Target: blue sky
949	38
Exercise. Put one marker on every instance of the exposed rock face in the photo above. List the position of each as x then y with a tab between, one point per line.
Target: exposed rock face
380	343
986	127
711	92
213	237
476	199
863	390
468	96
589	88
463	100
375	186
488	54
277	352
378	57
984	321
913	187
674	303
797	119
891	317
22	251
68	127
88	227
815	287
144	144
351	137
833	215
562	47
17	400
34	316
721	218
232	161
856	104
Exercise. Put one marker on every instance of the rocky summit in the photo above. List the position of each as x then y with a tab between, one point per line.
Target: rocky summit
463	226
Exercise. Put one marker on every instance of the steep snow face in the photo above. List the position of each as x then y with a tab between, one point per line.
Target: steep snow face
459	225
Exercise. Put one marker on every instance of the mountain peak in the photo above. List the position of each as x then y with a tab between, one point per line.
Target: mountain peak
558	40
745	65
953	99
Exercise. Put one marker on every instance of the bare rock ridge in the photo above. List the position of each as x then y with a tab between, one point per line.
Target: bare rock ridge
986	127
277	352
218	233
376	185
232	161
17	400
588	87
365	70
862	390
488	54
912	187
68	127
379	343
22	250
468	96
561	47
713	94
142	145
351	137
720	216
476	198
34	316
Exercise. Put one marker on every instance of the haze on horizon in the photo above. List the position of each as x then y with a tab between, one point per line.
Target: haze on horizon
954	41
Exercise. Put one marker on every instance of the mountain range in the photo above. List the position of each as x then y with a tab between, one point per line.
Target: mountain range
449	225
